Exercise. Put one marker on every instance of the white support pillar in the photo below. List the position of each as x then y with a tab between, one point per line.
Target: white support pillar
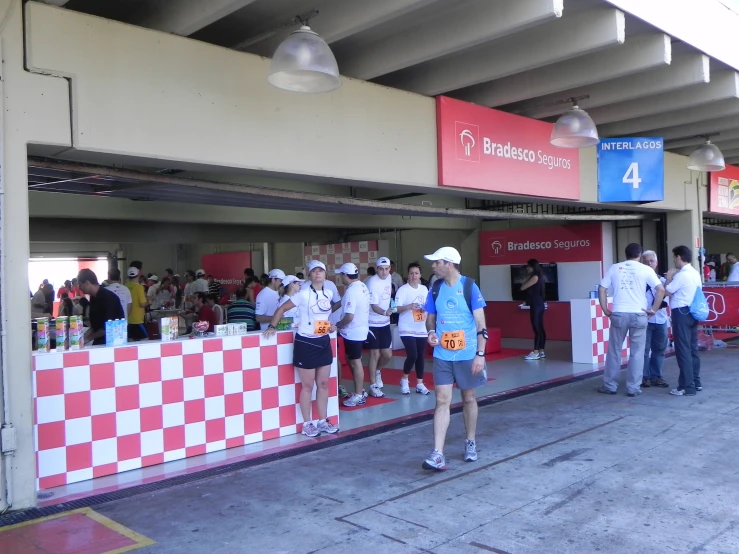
34	108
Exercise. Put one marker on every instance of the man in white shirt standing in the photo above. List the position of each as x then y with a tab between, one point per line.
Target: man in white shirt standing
733	265
628	280
123	294
268	299
201	283
354	327
396	277
656	342
380	338
682	282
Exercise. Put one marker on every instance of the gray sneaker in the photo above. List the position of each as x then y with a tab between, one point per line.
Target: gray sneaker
355	400
325	426
470	451
310	430
435	460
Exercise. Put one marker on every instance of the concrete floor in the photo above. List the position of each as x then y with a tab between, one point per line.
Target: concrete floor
562	471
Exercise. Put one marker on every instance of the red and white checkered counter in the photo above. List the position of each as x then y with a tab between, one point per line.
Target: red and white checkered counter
590	332
105	410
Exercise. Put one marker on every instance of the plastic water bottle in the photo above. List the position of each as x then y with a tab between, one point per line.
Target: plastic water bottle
393	307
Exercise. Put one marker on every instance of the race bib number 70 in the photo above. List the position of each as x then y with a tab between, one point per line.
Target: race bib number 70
453	340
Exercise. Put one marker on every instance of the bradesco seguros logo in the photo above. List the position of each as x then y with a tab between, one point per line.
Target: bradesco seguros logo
467	142
497	247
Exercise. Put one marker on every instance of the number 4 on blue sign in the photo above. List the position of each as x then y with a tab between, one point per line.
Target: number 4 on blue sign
631	170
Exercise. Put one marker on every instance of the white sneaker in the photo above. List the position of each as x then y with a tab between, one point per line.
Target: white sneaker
354	400
376	391
310	430
378	379
404	388
532	356
364	393
325	426
421	389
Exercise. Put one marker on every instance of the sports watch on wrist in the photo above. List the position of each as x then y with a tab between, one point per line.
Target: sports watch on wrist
480	353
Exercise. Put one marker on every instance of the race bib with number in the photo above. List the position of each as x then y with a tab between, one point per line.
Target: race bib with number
419	315
321	327
453	340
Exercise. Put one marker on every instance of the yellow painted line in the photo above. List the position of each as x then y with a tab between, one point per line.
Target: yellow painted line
140	540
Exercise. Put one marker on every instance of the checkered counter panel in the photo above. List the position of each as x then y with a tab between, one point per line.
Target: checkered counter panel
599	329
107	410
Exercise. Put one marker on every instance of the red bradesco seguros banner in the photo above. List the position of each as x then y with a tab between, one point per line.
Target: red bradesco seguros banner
723	197
582	242
485	149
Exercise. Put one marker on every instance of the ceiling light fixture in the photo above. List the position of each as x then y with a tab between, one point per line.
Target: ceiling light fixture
707	157
574	128
304	63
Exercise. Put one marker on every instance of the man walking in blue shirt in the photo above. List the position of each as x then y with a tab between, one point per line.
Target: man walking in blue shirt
456	329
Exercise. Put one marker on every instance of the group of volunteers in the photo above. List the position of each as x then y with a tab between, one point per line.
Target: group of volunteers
639	311
449	317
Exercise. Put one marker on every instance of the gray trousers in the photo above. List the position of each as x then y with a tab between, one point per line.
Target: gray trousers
635	326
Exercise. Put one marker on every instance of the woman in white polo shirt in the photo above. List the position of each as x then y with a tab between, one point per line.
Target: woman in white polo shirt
410	300
290	286
312	352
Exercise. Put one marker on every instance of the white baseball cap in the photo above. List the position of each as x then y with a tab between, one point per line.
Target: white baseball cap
154	278
290	279
132	272
199	273
276	274
313	264
383	262
445	253
348	268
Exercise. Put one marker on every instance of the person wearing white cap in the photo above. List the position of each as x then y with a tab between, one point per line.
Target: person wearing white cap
411	304
136	327
328	284
290	286
380	338
269	298
354	328
457	331
152	292
312	352
201	283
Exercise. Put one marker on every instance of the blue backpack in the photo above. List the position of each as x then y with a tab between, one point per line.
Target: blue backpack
699	306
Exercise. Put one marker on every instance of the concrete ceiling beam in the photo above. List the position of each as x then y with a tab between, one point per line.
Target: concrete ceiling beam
724	85
184	17
684	71
724	146
563	39
659	125
730	154
339	20
468	25
679	134
639	53
721	137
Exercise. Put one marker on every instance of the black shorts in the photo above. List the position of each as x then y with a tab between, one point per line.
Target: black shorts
137	331
353	349
312	353
380	338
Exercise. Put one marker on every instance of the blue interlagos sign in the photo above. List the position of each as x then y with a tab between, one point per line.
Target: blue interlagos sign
631	170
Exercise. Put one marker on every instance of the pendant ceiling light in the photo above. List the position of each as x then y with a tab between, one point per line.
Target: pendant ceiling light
707	158
574	129
304	63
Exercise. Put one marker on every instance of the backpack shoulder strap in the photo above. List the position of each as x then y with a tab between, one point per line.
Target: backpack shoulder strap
435	288
468	283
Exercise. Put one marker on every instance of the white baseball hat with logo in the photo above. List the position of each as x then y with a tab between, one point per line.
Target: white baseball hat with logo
446	254
313	264
348	269
290	279
383	262
277	274
132	272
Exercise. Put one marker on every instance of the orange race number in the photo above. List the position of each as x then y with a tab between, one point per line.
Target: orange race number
419	315
453	340
321	327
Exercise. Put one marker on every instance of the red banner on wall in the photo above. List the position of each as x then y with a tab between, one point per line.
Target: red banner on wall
485	149
227	268
723	197
723	303
567	243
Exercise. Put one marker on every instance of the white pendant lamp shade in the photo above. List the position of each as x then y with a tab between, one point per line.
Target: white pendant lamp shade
574	129
707	158
304	63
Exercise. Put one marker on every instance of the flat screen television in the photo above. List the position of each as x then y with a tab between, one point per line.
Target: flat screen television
519	275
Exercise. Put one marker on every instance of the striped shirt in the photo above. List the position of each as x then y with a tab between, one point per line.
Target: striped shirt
241	311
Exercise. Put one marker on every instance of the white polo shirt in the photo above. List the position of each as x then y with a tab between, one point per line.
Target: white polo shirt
683	286
628	280
380	294
356	301
267	302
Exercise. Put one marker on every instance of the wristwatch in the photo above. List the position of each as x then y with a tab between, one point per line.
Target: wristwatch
480	353
270	326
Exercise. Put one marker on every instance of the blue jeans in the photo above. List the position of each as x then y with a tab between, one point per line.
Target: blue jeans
685	329
657	343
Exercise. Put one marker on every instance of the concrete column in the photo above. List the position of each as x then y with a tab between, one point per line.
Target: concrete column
34	108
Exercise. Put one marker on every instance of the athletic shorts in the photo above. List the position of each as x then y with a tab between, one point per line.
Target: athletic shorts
353	349
460	372
311	353
137	331
380	338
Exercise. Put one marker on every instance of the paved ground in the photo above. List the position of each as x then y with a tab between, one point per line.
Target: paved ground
563	471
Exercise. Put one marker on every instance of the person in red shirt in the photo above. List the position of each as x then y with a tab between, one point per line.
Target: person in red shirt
66	289
205	311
